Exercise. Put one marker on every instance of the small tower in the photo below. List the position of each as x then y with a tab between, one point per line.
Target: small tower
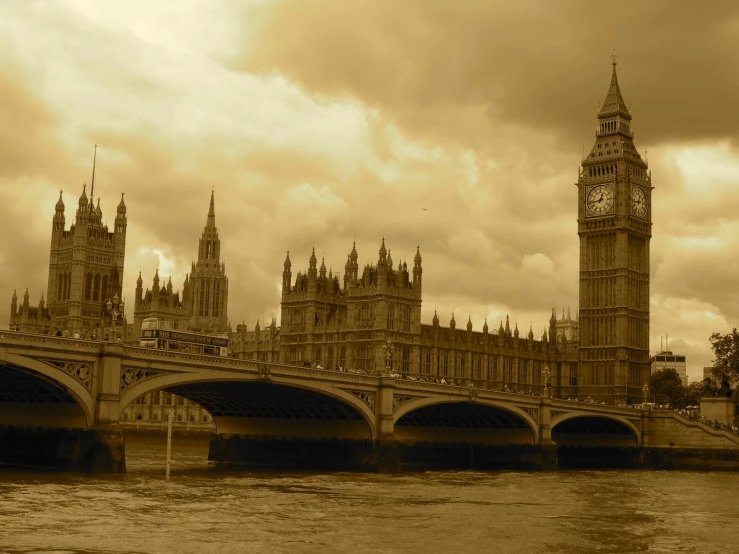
469	324
287	273
139	289
452	323
417	269
57	230
485	329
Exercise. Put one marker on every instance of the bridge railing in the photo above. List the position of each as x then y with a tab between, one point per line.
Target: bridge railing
18	338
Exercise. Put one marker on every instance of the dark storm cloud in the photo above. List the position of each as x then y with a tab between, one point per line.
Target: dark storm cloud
450	70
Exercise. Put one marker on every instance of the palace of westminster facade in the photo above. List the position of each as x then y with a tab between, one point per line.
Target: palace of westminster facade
348	321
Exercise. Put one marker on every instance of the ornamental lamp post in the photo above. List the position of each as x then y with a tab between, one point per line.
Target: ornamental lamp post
645	391
389	348
546	373
115	309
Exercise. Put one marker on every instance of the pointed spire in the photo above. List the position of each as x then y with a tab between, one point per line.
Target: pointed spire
435	321
83	197
313	260
211	211
353	256
614	102
531	332
92	185
122	205
390	260
501	331
60	202
98	210
485	327
507	326
417	258
515	331
452	323
323	267
383	250
139	281
469	323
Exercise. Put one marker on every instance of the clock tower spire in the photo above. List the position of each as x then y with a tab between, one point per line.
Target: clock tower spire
614	225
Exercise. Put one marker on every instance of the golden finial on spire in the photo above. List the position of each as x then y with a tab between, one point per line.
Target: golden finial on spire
614	58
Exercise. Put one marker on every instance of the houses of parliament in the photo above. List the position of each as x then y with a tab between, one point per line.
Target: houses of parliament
350	320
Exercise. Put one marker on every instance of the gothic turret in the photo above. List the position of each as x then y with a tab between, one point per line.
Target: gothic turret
435	321
507	327
286	273
312	266
58	221
469	324
417	270
485	328
452	323
139	289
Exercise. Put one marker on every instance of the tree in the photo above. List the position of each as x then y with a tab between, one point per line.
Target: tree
726	362
667	388
726	350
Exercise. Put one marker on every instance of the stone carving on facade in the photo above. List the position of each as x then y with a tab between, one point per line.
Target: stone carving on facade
533	412
554	413
82	371
636	422
400	400
131	376
366	397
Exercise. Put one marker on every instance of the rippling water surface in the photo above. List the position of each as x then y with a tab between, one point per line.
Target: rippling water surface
201	509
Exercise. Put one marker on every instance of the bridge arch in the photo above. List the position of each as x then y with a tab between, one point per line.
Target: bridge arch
519	414
603	429
177	382
64	382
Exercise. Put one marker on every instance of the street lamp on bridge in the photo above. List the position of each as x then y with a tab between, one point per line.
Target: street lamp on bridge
645	392
546	373
389	348
115	309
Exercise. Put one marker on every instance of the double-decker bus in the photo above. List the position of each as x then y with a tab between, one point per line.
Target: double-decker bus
157	334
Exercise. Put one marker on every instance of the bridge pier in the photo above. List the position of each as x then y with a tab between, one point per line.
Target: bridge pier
99	450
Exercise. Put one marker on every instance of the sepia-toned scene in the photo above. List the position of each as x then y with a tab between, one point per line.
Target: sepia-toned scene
325	276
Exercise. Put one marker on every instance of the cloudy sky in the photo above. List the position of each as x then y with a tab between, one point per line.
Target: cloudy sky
319	123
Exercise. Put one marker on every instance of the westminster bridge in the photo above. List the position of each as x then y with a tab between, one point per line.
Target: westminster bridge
61	400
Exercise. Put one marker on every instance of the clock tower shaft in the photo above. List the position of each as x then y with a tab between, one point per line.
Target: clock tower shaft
614	225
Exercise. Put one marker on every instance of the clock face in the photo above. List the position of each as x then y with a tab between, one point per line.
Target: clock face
638	201
600	200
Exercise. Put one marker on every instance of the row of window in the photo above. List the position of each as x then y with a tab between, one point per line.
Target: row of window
96	287
208	308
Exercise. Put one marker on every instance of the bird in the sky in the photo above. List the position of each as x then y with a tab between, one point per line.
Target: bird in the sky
424	209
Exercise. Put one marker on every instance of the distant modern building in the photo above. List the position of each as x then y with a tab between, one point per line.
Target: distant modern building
669	360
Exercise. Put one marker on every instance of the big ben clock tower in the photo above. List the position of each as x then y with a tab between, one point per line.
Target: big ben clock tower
614	225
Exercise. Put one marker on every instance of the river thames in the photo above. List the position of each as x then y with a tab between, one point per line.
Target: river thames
204	509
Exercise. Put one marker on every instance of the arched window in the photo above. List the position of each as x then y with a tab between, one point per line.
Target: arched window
96	289
406	319
104	292
391	316
68	285
60	286
88	286
216	298
364	315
